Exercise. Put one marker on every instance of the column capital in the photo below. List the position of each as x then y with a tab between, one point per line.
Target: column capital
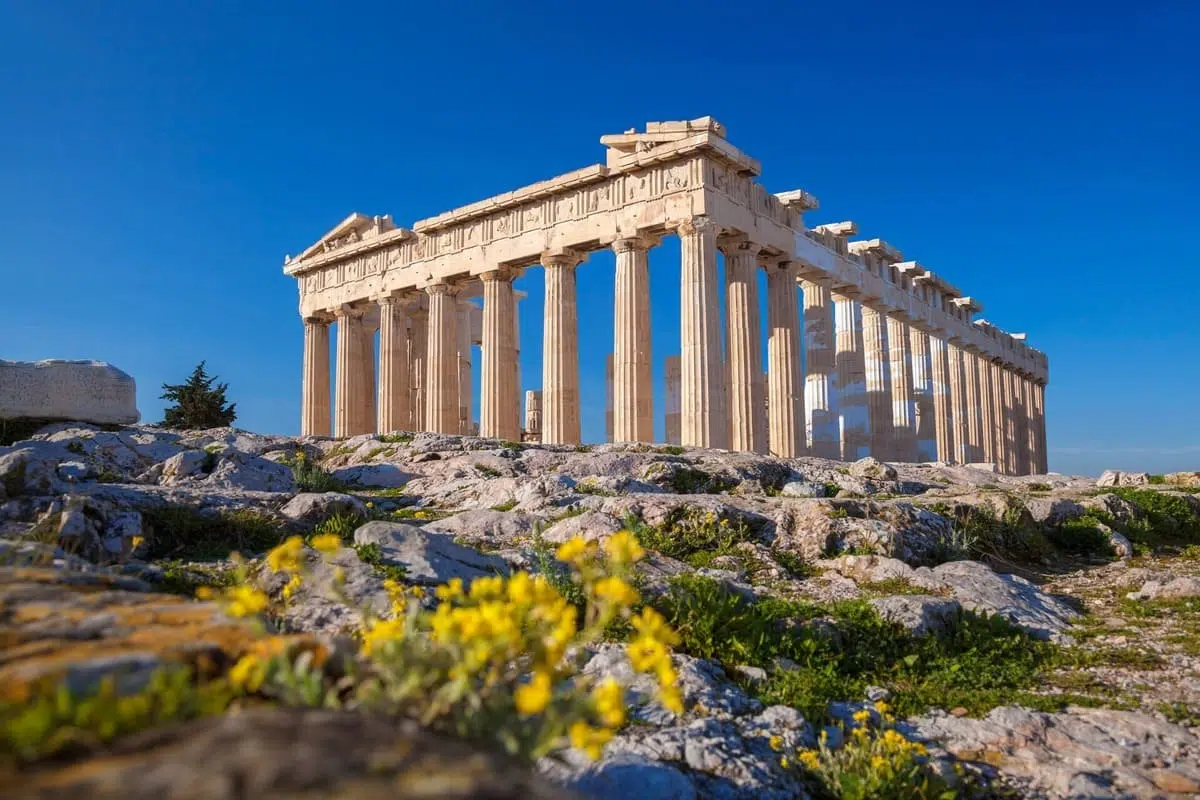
640	242
776	262
737	244
441	288
561	257
318	318
349	310
394	297
699	224
497	274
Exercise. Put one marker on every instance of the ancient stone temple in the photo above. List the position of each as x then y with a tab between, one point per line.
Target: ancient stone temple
892	361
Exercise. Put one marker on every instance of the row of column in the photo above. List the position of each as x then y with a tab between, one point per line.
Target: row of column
873	384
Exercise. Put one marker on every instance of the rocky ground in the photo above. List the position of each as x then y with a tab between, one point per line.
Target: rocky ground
1040	635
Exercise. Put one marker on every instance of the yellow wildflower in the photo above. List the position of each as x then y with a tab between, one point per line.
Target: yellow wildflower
450	590
671	699
646	653
653	625
859	733
370	504
776	742
810	759
204	593
879	763
244	601
136	542
487	588
616	591
573	550
248	673
882	707
862	717
339	576
520	588
379	632
417	592
534	696
892	739
623	548
784	762
588	739
609	698
291	587
327	543
287	556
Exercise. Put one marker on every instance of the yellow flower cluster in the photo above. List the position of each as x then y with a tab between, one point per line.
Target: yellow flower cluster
650	651
237	601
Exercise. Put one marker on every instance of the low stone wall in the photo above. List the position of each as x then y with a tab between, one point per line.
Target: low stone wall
82	391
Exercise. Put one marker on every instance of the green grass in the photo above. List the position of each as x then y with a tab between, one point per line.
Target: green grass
185	580
1081	536
373	555
1170	520
583	448
1038	487
182	532
488	472
671	450
796	565
507	505
980	663
693	536
312	477
396	438
593	488
108	476
1180	714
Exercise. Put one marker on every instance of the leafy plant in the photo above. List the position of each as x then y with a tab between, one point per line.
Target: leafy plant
199	403
177	531
692	535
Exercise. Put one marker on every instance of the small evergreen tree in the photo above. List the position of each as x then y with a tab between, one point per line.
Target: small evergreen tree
198	404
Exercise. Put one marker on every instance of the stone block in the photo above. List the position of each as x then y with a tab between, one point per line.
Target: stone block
83	391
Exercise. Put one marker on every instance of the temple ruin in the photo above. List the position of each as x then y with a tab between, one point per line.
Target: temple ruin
893	361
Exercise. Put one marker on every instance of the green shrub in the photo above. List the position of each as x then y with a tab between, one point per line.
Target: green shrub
373	555
488	472
841	648
1081	536
20	429
400	437
311	476
692	535
671	450
1038	487
1170	520
593	488
182	532
507	505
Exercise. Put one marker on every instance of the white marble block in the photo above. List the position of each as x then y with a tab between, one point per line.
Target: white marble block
82	391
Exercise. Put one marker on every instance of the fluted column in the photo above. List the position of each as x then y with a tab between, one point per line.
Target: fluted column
904	428
785	404
939	352
498	417
974	411
395	413
466	425
418	352
560	351
922	372
702	413
997	416
958	404
348	378
533	416
878	382
1041	460
672	404
986	403
365	415
744	391
314	395
850	378
1010	421
608	398
1024	457
822	421
441	369
633	385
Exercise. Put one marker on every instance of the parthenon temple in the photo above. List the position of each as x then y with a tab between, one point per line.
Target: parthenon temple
893	360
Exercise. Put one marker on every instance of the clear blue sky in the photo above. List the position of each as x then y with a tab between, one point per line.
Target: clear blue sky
158	159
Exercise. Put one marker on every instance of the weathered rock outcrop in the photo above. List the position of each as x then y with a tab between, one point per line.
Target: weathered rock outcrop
86	391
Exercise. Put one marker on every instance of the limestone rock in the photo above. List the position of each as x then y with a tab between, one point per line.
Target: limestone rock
980	589
590	525
802	489
383	476
1188	479
427	557
1112	477
1053	510
1175	589
919	614
487	526
239	470
313	607
281	753
187	465
314	507
873	468
88	391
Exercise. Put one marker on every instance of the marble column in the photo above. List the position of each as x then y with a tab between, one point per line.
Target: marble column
939	352
974	410
785	403
743	347
986	403
348	373
958	404
418	352
996	415
702	417
633	383
1041	460
560	351
878	382
673	374
516	339
466	425
850	379
822	419
366	415
533	416
904	425
498	417
608	397
314	403
441	369
922	372
395	413
1021	400
1010	421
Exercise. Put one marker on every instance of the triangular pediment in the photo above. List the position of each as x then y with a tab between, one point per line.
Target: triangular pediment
351	230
